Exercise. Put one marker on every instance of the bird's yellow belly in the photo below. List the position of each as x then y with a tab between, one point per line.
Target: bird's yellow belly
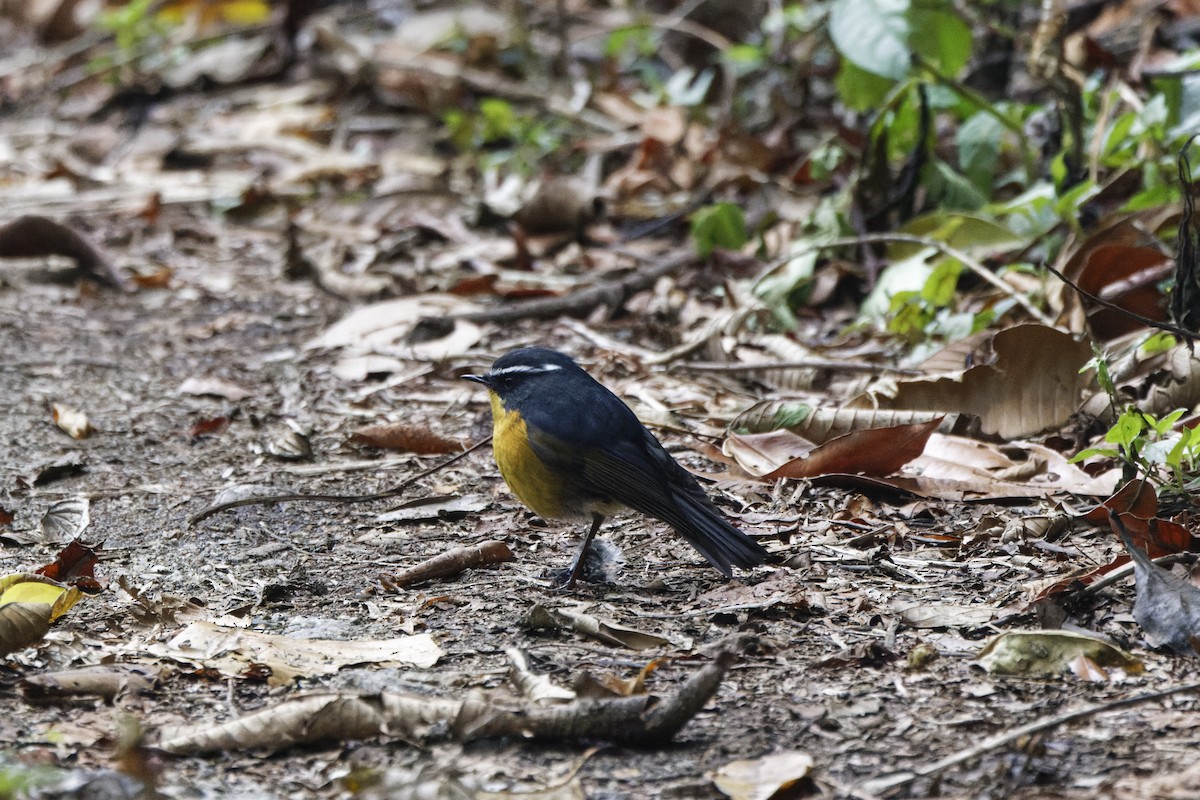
520	467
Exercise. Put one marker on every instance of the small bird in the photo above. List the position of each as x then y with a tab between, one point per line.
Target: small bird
570	449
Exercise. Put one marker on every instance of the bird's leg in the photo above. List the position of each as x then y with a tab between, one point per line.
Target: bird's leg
577	565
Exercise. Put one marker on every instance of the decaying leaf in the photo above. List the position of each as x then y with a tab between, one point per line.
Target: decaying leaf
28	604
946	615
639	720
609	684
233	650
534	686
876	452
1167	606
103	680
1049	653
775	776
819	424
76	564
393	328
65	520
1033	384
608	632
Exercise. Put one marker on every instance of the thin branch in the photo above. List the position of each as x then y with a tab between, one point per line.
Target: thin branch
970	263
581	302
335	498
1016	734
1182	333
811	363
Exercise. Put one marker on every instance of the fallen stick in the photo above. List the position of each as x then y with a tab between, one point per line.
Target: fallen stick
448	564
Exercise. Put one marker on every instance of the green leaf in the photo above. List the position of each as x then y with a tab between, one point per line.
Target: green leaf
873	34
719	225
1128	428
941	38
938	291
1159	342
1107	452
950	189
978	142
861	90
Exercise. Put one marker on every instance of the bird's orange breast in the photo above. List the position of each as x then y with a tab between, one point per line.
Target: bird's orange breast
530	480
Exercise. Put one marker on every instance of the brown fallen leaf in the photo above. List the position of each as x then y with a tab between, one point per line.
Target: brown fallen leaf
1034	383
875	452
406	437
33	236
75	563
1167	606
103	680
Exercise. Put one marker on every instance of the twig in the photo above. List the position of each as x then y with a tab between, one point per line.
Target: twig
970	263
813	363
1009	737
335	498
579	303
1182	333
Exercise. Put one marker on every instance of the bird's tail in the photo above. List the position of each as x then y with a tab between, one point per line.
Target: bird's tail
714	537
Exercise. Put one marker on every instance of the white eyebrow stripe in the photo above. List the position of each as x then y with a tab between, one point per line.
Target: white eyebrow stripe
524	369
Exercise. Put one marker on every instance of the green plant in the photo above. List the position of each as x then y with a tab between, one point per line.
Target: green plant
140	38
1157	448
502	135
719	225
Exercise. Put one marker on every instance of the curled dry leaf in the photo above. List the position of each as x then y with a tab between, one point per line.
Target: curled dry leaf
214	387
65	520
393	328
534	686
34	237
644	720
608	632
819	424
946	615
406	437
70	421
876	452
103	680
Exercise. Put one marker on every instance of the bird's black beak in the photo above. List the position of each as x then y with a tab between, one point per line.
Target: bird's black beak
478	379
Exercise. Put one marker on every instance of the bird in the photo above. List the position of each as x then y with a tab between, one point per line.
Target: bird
569	448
